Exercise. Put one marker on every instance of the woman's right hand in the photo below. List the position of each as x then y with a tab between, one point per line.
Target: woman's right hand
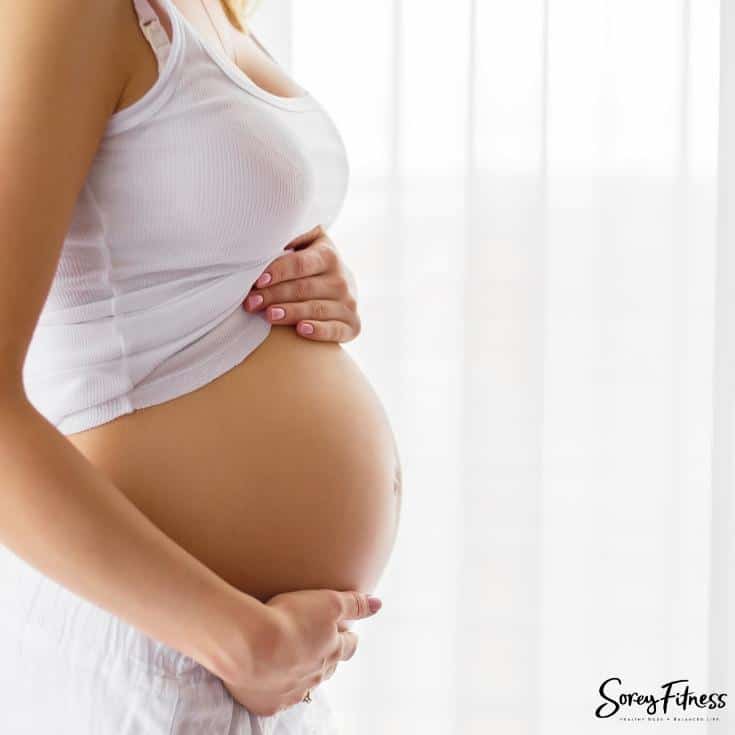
305	637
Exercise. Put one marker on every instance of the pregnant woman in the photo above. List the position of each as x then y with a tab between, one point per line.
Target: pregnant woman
198	491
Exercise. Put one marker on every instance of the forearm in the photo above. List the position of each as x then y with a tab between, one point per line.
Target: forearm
66	518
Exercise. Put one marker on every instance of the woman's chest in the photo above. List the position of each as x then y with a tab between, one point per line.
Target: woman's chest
222	175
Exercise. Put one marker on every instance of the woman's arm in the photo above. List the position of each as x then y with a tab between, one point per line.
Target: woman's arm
62	70
63	516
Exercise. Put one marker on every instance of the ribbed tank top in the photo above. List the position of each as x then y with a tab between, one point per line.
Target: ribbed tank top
193	190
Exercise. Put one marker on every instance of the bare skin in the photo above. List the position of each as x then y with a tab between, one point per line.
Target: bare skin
282	474
279	475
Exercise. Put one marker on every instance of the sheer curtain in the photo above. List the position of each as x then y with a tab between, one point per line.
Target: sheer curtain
539	221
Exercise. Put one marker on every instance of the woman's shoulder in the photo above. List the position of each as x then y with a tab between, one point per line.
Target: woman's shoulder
40	42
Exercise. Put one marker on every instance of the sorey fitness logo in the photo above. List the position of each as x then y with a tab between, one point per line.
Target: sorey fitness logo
674	701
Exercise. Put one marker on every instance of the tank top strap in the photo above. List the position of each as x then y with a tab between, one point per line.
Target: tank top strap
222	26
154	32
263	48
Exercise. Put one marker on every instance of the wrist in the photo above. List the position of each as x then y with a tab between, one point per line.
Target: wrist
237	629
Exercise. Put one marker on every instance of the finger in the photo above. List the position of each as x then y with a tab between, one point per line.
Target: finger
269	702
319	309
347	645
297	695
329	331
329	667
318	258
321	286
354	605
267	705
309	683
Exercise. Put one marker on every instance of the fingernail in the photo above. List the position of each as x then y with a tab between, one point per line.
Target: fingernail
255	300
278	313
374	603
306	328
264	280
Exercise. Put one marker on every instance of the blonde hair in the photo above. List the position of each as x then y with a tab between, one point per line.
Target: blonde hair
238	11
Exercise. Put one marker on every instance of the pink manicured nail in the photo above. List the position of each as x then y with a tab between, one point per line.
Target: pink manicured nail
306	328
278	313
264	280
255	300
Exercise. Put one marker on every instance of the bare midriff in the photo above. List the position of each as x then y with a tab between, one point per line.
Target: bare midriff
281	474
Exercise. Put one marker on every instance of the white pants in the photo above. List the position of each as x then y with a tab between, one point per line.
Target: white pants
72	668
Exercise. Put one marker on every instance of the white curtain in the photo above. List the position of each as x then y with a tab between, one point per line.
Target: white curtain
539	219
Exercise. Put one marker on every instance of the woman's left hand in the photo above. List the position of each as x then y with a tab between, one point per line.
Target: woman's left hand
311	288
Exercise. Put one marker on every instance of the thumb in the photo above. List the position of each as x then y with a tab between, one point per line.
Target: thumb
355	605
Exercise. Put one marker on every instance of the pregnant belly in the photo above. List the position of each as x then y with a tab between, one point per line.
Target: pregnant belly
282	474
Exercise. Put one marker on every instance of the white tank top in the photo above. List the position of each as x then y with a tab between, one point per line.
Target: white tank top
194	189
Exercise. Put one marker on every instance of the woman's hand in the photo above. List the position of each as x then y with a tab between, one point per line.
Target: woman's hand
311	288
306	637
